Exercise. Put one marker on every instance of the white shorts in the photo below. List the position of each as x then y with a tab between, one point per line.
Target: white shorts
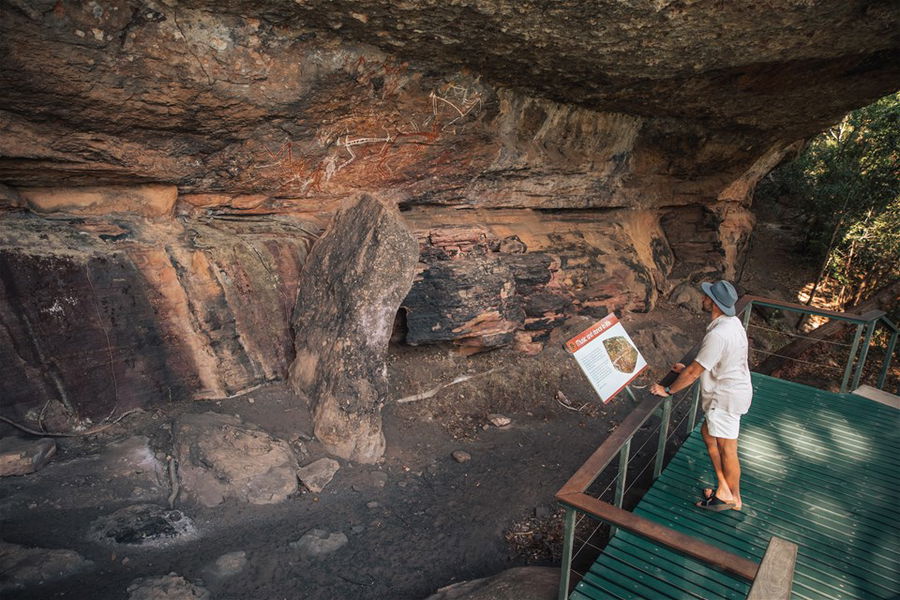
723	424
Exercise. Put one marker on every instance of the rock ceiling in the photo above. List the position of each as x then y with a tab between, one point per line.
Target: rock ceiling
204	94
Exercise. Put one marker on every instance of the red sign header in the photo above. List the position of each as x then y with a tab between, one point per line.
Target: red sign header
580	340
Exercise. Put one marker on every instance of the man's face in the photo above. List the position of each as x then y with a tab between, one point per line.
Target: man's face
707	303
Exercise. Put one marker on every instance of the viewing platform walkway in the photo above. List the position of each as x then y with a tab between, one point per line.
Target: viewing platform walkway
820	469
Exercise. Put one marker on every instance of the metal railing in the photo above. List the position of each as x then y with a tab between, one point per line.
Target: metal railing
773	577
574	497
865	330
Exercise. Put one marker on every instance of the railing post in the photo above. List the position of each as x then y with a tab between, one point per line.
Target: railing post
863	355
624	455
695	403
568	541
775	576
747	310
889	354
850	358
663	434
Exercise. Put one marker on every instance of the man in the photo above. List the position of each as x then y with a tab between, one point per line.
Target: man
725	392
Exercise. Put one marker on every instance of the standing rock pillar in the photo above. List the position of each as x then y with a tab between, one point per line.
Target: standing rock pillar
350	289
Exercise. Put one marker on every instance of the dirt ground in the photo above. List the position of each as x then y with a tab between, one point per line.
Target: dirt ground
434	522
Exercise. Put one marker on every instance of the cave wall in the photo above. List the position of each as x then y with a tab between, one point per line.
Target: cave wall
110	312
165	167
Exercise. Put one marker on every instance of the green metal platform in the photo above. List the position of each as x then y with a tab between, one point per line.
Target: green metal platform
819	469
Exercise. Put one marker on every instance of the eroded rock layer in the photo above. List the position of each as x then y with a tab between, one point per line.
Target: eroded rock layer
487	103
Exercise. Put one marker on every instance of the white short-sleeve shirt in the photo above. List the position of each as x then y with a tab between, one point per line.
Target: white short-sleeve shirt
725	384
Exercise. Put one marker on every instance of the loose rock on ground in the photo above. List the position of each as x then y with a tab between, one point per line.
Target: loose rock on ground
461	456
316	475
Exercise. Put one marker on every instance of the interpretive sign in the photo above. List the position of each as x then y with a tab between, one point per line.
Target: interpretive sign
608	357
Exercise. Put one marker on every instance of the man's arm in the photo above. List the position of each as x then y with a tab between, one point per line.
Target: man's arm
687	376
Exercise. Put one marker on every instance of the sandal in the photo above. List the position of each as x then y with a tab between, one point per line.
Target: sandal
713	503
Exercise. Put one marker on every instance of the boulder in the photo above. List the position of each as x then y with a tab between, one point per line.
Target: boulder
521	583
349	292
316	475
21	567
219	456
19	456
166	587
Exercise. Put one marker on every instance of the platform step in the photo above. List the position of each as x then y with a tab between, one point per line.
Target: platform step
886	398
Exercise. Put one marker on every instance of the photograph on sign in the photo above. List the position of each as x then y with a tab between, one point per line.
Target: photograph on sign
607	356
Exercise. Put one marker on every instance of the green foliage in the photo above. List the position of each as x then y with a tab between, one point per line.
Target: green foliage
846	185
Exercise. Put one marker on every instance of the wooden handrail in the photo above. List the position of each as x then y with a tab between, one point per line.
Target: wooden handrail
660	534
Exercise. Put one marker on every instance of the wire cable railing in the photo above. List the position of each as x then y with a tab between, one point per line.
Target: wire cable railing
798	335
590	541
859	348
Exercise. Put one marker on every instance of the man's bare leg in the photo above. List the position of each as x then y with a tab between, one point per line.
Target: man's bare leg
723	491
731	467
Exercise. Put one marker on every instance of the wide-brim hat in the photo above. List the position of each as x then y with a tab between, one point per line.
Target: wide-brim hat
723	294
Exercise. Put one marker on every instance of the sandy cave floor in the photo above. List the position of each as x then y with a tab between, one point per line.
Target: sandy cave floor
434	522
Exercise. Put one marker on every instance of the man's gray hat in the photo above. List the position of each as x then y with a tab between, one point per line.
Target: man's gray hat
723	294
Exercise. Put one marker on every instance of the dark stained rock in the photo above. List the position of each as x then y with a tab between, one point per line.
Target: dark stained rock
693	236
475	295
472	302
349	292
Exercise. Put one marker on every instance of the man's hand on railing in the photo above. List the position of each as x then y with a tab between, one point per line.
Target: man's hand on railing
686	376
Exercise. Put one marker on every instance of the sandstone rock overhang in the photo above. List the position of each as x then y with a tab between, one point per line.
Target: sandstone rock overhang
167	166
753	64
548	104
